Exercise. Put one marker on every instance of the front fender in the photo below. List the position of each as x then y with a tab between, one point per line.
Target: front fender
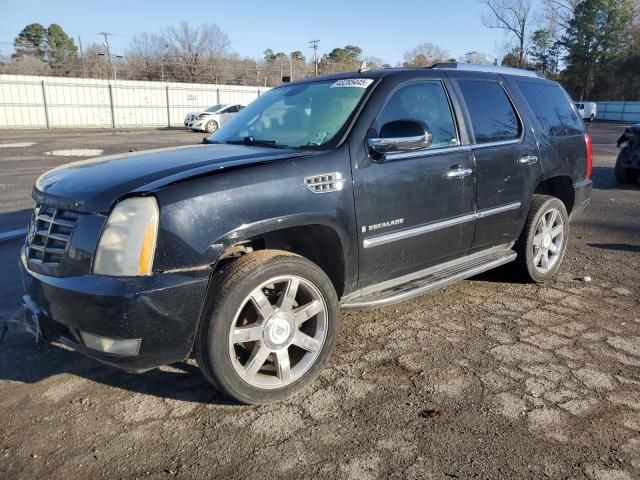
202	217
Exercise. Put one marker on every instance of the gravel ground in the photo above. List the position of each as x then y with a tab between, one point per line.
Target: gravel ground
488	378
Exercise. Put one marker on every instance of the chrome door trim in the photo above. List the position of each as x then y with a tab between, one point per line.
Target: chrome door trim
477	146
485	212
377	240
383	239
426	152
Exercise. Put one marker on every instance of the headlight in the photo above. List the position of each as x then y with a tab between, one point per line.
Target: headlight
128	242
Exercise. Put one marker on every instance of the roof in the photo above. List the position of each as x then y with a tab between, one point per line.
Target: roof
461	67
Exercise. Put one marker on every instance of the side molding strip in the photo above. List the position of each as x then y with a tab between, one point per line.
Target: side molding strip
383	239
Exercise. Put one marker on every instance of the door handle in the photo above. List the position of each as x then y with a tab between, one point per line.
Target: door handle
458	172
528	160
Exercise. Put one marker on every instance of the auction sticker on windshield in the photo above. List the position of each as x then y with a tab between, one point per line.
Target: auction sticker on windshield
353	82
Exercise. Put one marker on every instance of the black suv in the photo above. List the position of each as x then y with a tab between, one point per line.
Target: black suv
346	191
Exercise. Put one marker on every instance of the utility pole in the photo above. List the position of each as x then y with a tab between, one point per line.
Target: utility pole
314	44
84	70
106	45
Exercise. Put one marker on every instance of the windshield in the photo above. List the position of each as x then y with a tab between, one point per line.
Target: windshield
215	108
303	115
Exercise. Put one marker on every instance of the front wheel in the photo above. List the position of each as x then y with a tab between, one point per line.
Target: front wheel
543	240
211	126
270	326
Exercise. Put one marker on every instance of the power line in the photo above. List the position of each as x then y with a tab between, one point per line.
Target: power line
314	44
106	45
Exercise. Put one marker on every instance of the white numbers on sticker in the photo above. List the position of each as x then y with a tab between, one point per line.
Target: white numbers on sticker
353	82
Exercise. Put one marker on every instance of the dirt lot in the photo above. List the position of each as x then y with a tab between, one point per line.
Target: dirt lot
484	379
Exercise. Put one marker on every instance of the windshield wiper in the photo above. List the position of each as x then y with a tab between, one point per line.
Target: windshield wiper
252	142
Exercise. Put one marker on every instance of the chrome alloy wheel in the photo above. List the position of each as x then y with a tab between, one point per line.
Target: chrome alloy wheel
548	241
278	332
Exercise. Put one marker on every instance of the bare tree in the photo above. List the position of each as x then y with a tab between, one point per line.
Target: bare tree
424	55
194	46
557	13
513	17
145	54
476	57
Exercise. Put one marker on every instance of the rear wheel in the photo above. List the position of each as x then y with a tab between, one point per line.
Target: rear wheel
543	240
211	126
271	324
625	174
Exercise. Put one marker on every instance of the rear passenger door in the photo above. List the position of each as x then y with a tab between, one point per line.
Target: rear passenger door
506	158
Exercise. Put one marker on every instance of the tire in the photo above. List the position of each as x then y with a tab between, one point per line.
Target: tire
273	354
592	118
624	174
540	240
211	126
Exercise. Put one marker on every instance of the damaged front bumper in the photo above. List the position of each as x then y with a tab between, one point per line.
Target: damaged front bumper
135	323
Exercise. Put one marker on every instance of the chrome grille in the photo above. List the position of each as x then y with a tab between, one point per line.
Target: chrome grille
49	234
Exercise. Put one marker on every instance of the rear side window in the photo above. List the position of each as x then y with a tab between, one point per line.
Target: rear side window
492	114
552	109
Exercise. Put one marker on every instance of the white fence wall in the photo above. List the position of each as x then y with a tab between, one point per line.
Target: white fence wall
55	102
619	111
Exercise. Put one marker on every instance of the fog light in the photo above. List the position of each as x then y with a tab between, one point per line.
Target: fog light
128	347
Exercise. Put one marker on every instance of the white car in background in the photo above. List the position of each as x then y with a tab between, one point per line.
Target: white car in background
212	118
587	110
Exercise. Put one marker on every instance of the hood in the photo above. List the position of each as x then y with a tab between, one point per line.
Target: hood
94	185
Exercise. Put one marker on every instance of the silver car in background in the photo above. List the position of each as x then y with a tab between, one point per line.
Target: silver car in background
211	119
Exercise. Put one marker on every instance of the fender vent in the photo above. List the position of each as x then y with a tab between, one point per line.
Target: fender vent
325	182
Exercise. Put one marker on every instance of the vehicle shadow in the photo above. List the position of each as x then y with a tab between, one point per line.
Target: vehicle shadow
622	247
504	274
24	361
604	178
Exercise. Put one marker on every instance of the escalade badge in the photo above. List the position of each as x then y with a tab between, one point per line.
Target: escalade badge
377	226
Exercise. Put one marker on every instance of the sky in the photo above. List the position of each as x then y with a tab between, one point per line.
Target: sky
384	29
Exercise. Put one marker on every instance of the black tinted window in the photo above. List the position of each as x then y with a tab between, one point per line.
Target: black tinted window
426	102
492	114
552	109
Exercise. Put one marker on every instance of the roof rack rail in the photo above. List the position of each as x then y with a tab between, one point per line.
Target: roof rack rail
473	67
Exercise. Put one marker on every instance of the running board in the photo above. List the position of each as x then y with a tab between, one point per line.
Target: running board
435	278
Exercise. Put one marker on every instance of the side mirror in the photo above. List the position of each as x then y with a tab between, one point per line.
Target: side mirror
400	136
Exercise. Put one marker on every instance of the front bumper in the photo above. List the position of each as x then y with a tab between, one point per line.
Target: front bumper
197	125
582	197
162	310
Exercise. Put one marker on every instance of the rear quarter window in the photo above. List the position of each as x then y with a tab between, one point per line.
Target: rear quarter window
552	108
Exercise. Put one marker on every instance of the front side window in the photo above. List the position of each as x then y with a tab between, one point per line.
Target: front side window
313	115
552	109
425	102
492	115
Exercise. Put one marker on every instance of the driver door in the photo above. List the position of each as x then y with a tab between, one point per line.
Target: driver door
414	209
